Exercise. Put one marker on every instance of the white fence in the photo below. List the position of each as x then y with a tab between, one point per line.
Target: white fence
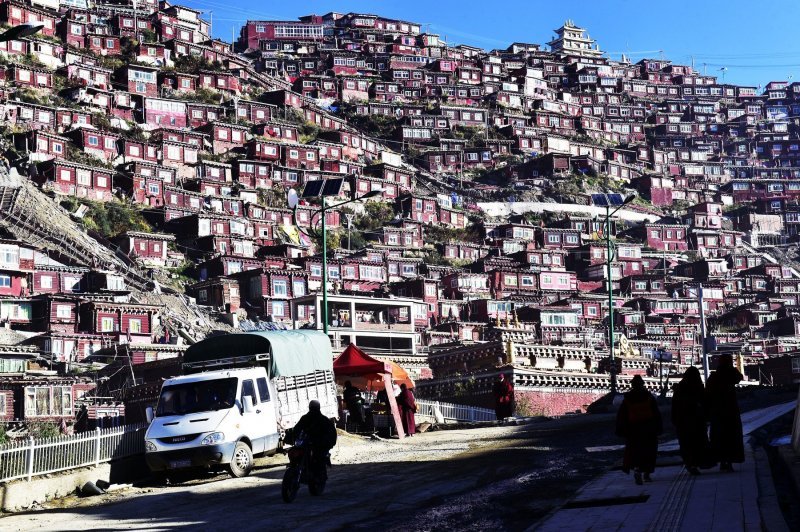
31	457
453	412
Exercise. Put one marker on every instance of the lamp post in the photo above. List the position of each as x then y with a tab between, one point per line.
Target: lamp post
19	31
609	261
293	201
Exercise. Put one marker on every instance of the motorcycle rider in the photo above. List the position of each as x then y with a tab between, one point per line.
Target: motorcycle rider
320	432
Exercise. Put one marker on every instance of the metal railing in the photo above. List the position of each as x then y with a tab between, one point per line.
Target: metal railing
32	457
452	412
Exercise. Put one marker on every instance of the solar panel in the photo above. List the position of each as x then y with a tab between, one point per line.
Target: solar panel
313	188
604	200
332	187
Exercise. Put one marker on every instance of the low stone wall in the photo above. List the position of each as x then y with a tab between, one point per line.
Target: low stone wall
555	401
22	494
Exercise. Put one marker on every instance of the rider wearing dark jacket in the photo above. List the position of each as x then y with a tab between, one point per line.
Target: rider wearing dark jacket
320	431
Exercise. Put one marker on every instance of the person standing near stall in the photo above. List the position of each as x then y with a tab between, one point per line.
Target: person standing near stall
408	407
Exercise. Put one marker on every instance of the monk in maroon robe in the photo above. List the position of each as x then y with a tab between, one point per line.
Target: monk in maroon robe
727	441
503	397
408	406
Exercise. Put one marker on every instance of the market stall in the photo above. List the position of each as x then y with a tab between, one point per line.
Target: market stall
373	376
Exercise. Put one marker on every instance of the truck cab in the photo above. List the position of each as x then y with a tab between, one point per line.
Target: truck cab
213	418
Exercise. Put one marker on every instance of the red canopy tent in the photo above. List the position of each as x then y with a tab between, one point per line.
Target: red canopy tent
353	362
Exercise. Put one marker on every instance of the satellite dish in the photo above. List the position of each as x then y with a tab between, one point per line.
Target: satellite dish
292	199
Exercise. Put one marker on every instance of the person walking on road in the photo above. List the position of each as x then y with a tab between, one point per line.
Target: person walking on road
727	441
639	422
408	407
689	419
503	397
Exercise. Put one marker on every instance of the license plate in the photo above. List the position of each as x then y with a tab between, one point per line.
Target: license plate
178	464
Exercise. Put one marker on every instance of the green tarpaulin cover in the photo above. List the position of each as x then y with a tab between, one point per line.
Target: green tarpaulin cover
292	352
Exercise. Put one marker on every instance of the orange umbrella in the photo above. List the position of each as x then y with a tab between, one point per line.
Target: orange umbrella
399	375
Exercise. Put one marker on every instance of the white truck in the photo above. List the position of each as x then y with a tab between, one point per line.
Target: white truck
237	397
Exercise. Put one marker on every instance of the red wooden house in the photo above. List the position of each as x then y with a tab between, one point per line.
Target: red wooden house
14	13
103	44
267	291
200	113
418	208
253	174
76	179
178	81
73	32
58	280
139	79
219	81
89	75
225	136
40	145
217	292
148	248
119	322
162	112
96	142
29	76
255	112
154	54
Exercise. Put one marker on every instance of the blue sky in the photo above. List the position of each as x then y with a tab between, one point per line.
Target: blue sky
755	41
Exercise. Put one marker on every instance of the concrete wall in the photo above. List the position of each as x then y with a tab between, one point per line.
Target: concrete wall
21	494
554	402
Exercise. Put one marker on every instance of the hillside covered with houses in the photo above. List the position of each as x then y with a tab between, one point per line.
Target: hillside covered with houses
144	204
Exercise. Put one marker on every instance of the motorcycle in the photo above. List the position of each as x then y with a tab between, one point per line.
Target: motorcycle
305	467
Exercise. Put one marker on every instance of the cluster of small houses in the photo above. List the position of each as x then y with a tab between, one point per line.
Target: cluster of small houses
101	105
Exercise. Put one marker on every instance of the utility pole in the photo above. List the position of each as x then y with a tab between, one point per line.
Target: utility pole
349	217
609	260
324	270
135	20
703	333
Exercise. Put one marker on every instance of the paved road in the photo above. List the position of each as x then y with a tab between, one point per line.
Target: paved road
500	477
497	477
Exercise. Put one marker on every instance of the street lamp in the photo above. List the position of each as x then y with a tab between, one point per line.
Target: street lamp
293	200
20	31
609	260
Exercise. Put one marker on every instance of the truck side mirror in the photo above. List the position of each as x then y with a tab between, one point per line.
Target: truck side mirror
148	414
248	407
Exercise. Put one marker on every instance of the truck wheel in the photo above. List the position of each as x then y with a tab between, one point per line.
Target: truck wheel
242	461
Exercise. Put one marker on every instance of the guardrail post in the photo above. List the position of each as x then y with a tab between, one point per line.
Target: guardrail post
471	413
29	465
97	448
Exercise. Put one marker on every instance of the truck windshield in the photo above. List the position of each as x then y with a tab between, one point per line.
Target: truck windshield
200	396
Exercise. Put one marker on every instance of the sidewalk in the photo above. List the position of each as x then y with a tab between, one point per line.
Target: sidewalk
675	500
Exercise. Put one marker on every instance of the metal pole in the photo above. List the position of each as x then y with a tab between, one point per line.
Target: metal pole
703	330
324	270
613	369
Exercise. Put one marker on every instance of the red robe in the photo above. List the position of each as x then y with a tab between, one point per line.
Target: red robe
408	406
503	399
